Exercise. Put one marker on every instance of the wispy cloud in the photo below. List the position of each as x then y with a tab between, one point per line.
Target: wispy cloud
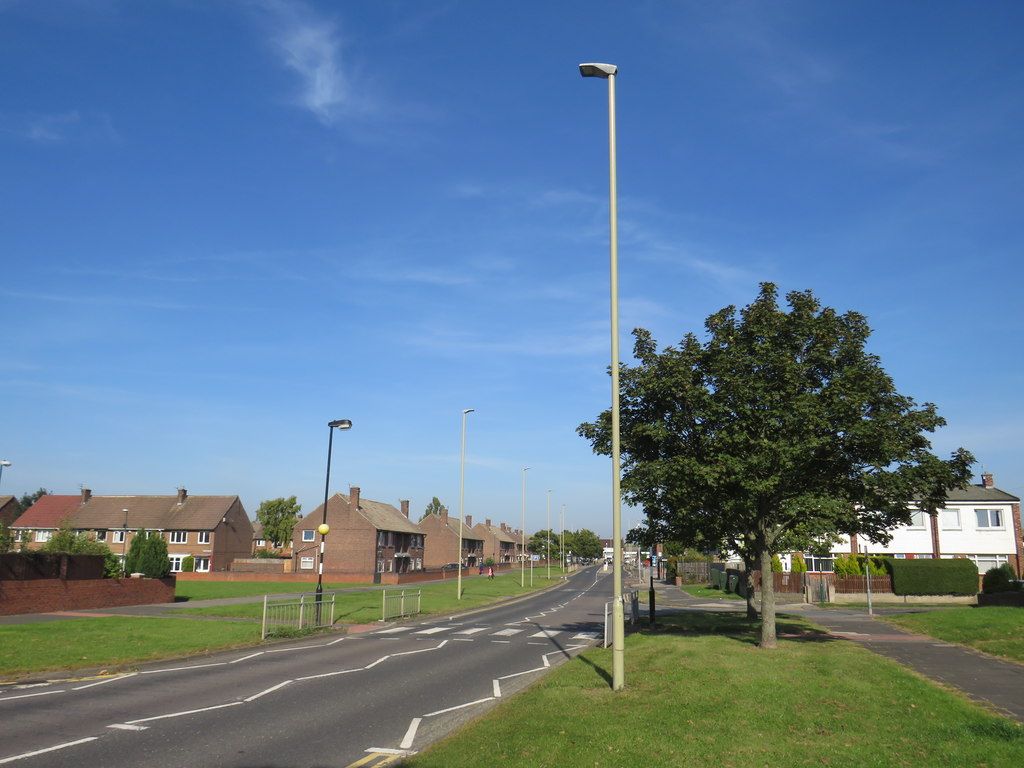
59	127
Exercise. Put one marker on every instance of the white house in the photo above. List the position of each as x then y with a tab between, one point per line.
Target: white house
978	522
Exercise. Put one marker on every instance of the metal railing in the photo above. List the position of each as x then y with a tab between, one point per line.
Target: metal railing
399	603
304	613
631	609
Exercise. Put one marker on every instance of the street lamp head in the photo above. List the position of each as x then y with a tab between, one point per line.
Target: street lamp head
323	529
340	424
598	70
468	410
4	463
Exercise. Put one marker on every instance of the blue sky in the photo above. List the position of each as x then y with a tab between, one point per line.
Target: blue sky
223	224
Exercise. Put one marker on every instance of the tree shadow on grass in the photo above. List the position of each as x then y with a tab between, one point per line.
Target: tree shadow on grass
737	627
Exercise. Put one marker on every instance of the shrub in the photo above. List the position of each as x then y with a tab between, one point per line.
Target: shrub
933	577
853	565
1001	579
489	562
799	565
148	555
776	564
266	554
671	568
188	564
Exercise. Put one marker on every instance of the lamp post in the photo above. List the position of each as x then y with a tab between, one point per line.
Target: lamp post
548	549
609	73
124	544
462	490
323	528
522	537
561	543
3	463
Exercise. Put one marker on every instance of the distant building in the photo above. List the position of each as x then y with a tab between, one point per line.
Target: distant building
500	542
260	542
442	546
214	530
10	510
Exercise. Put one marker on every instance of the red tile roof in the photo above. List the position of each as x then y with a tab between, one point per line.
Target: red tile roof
48	511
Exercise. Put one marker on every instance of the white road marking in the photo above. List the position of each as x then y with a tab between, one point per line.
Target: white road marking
269	690
497	689
462	639
126	727
180	669
48	749
585	636
547	633
335	641
410	734
181	714
386	751
30	695
501	641
393	630
104	682
431	631
471	631
246	658
524	672
459	706
328	674
506	632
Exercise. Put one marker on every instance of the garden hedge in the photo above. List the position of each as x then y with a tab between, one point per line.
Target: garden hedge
933	577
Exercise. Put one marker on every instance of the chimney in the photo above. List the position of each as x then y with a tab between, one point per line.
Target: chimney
86	495
182	495
405	507
353	496
444	514
469	521
987	481
487	522
504	527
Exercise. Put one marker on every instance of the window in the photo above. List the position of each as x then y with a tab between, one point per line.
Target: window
382	539
987	562
306	563
989	518
43	535
101	535
419	564
204	538
175	562
380	566
119	537
819	564
179	537
203	564
309	536
900	557
261	542
916	519
950	519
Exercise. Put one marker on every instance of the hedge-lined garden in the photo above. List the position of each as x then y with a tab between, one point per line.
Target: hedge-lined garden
933	577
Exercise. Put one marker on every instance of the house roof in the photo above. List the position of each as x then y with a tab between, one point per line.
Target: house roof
382	516
257	529
468	532
979	493
497	532
48	511
202	513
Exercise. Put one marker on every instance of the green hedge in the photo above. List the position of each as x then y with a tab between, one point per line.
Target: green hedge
933	577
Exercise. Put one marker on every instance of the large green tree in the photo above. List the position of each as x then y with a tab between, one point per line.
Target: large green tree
278	517
435	507
538	543
780	427
26	500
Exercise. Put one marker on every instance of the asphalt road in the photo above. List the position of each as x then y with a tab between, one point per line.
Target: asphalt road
361	700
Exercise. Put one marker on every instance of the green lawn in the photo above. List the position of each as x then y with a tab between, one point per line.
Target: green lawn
113	641
206	590
995	630
701	693
364	607
702	590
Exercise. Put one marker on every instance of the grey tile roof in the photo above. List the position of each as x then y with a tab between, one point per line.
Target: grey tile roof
383	517
498	533
196	513
979	493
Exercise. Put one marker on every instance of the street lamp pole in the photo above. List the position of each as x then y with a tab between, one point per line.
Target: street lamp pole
609	73
522	537
124	545
561	543
548	549
462	488
323	528
3	463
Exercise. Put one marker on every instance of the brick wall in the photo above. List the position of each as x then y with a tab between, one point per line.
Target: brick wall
45	595
308	577
257	565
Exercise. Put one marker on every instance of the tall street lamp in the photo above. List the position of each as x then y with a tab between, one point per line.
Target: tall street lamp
522	537
609	73
323	528
561	544
124	544
3	463
548	550
462	489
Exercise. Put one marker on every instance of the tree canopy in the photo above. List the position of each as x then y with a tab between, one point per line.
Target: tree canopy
779	429
278	518
26	500
435	507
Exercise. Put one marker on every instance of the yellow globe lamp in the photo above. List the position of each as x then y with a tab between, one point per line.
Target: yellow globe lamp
323	529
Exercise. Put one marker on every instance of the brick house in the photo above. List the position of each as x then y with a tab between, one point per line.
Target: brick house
442	544
214	530
500	542
366	537
10	510
259	541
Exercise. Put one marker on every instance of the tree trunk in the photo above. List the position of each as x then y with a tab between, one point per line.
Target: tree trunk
767	600
748	579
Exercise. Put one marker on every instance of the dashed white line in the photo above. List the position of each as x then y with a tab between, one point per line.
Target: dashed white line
471	631
104	682
459	706
507	632
269	690
497	689
126	727
48	749
180	669
30	695
410	735
431	630
182	714
246	658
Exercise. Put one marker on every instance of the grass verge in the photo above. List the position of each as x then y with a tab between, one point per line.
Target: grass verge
699	692
364	607
112	641
995	630
702	590
210	590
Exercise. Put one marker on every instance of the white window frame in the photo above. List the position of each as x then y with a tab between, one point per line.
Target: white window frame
176	562
989	527
203	537
900	556
261	542
945	524
380	566
306	563
309	535
101	535
202	564
913	516
177	537
119	536
43	536
997	559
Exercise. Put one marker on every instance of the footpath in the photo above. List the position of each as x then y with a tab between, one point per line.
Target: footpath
991	681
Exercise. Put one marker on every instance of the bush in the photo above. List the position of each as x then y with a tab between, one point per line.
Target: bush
148	555
1001	579
798	564
853	565
188	564
266	554
776	564
671	568
933	577
489	562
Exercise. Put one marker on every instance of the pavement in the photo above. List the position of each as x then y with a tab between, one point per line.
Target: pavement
996	683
